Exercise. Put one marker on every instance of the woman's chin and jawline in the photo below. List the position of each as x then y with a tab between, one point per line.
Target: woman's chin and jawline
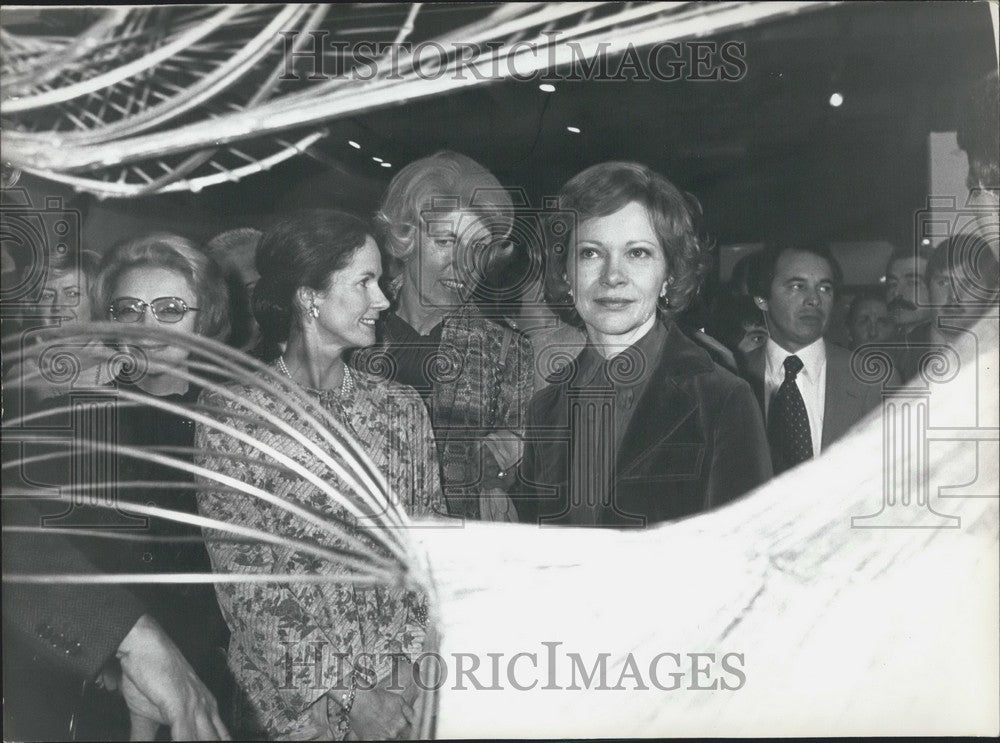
610	339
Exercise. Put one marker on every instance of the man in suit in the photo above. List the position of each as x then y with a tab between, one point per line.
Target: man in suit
79	627
804	384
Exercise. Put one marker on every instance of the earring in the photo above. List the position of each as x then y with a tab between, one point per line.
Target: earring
314	310
663	290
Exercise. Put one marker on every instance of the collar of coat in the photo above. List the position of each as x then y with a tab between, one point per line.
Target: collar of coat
680	357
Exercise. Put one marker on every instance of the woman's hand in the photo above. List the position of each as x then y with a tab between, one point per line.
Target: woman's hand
506	447
109	678
380	714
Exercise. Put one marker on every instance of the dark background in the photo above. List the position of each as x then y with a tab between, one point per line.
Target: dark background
762	154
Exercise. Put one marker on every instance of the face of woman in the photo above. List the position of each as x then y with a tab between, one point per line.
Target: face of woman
871	323
444	269
617	271
65	296
352	301
148	284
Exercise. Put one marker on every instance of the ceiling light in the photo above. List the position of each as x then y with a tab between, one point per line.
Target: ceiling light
377	159
573	129
354	144
547	88
386	165
836	100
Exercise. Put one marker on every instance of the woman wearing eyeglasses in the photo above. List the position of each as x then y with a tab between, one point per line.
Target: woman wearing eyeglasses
163	281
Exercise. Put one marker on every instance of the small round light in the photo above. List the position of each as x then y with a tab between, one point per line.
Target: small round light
573	129
925	241
547	88
354	144
386	165
836	100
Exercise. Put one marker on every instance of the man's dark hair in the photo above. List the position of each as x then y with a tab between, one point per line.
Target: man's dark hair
762	275
979	121
899	254
969	258
730	318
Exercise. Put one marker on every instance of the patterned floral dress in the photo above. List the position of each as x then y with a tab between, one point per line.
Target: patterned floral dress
292	642
482	374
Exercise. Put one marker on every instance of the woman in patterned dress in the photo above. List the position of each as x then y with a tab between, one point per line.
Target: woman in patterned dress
446	220
313	658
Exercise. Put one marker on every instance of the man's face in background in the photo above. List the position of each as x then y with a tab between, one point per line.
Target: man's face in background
906	291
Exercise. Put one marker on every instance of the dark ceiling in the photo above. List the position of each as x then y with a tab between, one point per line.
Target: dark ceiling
761	153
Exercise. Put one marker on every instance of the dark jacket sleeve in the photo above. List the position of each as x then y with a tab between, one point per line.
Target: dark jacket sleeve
741	459
77	626
523	493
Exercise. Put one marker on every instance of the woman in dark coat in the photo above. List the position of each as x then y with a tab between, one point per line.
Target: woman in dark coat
642	426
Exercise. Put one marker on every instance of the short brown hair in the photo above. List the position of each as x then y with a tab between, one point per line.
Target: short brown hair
606	188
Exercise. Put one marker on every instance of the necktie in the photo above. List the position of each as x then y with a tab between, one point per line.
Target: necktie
788	423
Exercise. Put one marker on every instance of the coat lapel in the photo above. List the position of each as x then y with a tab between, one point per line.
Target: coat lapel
665	404
755	362
842	405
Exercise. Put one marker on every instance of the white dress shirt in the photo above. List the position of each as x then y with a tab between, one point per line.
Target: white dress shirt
811	382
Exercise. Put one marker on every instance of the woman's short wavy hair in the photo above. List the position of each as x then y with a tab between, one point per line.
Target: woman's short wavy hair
445	181
676	216
174	253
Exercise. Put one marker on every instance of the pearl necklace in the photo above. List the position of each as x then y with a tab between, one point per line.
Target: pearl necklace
346	385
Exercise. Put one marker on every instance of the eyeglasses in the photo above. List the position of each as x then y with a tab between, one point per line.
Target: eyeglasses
165	309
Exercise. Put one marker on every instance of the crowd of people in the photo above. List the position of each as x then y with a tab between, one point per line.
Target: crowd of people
648	411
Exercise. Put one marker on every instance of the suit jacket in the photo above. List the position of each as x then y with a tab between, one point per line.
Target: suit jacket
695	441
188	613
848	398
75	626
